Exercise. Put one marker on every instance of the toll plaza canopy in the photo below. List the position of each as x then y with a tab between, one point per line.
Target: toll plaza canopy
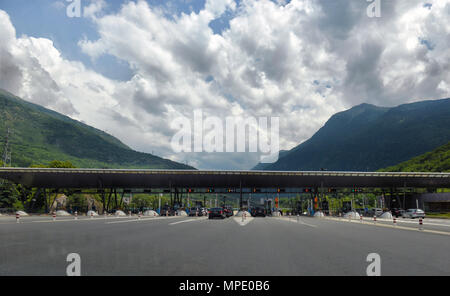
123	178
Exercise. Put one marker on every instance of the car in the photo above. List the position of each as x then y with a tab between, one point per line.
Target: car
414	213
216	213
376	212
196	212
396	212
258	212
228	211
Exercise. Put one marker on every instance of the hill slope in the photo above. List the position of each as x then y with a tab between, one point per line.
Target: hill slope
41	135
437	160
368	138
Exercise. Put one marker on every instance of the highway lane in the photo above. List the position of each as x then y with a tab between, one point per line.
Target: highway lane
198	246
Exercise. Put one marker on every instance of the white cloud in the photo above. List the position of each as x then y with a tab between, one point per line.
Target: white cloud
94	8
302	61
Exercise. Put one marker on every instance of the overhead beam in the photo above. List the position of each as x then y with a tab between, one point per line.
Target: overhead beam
91	178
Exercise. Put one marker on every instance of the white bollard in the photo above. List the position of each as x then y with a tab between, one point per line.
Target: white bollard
92	215
76	215
17	218
54	216
375	219
395	221
420	224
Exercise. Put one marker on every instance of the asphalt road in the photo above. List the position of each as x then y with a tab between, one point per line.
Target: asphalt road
198	246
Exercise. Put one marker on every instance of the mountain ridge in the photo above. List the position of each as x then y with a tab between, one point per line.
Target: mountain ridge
41	135
367	137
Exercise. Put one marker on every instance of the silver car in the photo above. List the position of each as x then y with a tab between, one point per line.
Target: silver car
414	213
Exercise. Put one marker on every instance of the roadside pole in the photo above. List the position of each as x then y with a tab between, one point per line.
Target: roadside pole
159	203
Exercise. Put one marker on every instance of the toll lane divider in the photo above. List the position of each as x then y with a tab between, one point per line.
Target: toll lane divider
420	229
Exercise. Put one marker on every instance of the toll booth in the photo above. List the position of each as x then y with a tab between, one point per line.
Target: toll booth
346	206
245	205
325	207
268	206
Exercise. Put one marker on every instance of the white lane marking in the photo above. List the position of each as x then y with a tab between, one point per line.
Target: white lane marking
142	219
185	221
295	221
303	223
239	221
79	219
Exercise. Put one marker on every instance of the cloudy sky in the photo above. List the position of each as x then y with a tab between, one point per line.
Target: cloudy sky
131	67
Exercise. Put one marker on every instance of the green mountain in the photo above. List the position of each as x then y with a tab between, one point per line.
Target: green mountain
40	136
437	160
368	138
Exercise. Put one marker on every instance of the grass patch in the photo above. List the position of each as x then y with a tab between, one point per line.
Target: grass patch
438	215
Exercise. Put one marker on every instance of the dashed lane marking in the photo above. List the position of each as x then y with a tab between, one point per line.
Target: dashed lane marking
186	221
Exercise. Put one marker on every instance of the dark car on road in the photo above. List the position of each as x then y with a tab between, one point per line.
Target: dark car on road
396	212
258	212
216	213
196	212
228	211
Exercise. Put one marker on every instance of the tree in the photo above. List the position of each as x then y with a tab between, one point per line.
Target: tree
9	196
140	201
61	164
77	202
57	164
